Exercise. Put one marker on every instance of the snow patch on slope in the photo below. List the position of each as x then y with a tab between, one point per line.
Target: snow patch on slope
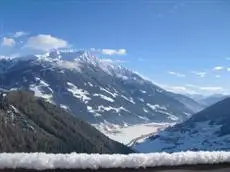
78	93
105	90
101	108
64	107
128	99
104	97
94	112
162	110
39	92
109	108
155	107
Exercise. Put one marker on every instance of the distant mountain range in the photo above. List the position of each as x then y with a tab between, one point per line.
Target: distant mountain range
206	130
30	124
208	100
94	89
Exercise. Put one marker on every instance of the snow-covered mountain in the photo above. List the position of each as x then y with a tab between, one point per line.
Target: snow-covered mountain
206	130
94	89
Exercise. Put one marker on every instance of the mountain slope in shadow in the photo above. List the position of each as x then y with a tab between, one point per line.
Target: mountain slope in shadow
30	124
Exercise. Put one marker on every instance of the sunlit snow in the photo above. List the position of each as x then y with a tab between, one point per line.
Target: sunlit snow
78	93
104	97
41	161
126	134
202	137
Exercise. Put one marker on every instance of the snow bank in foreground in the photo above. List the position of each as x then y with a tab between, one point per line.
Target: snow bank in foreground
42	161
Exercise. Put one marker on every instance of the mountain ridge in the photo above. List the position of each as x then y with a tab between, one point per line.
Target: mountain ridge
207	130
102	91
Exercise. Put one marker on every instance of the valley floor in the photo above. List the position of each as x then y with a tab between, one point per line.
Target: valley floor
129	135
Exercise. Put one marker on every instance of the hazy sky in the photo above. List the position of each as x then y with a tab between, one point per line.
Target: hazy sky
183	45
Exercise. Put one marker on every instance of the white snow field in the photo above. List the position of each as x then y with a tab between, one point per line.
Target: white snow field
129	135
42	161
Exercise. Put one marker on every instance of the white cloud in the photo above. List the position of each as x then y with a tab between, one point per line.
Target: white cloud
211	88
228	69
195	89
111	52
217	68
45	42
20	34
112	60
217	76
180	75
190	88
208	89
8	42
178	89
200	74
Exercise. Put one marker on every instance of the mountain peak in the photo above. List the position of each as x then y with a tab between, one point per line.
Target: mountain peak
76	59
96	89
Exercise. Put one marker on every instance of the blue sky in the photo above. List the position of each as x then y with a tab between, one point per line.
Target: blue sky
182	45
